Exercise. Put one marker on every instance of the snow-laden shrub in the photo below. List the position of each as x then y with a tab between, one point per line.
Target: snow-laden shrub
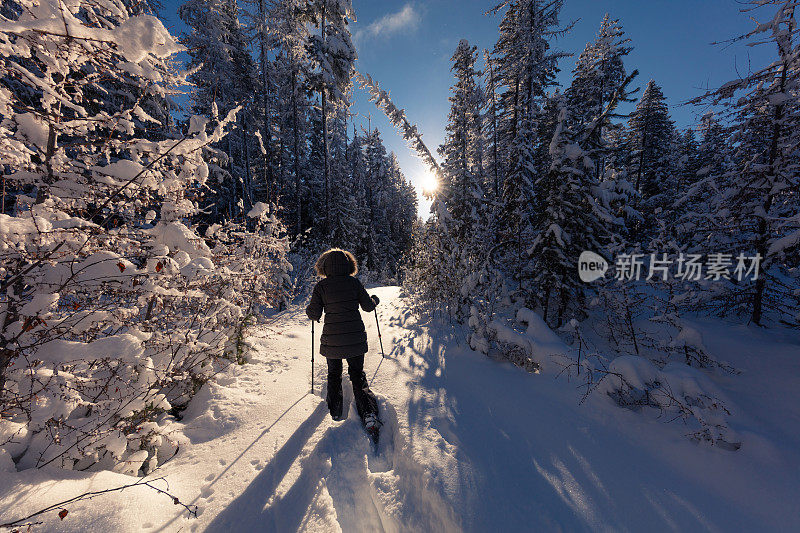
254	255
103	343
643	320
677	392
113	310
673	389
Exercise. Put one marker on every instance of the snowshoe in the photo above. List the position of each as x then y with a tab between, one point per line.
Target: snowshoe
372	425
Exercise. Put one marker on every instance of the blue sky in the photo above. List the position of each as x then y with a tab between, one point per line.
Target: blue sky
406	46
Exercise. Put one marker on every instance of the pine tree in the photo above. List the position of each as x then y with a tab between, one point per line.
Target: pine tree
705	175
689	162
461	210
526	65
461	187
495	171
265	102
288	23
571	218
358	176
343	207
218	48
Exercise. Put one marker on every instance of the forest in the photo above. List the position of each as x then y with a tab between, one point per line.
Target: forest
166	194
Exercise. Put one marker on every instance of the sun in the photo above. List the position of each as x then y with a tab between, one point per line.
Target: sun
429	182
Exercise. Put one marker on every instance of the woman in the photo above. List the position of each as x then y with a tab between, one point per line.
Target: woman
339	294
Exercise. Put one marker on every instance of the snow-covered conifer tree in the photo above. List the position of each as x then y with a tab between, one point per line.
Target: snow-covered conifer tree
526	67
288	24
333	54
598	73
570	220
759	199
224	74
461	185
649	137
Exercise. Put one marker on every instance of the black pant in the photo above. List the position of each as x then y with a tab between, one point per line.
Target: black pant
365	401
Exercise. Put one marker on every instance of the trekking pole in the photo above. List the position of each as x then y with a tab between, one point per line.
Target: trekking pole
377	324
312	357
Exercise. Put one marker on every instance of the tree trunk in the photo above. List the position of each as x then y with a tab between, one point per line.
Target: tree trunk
494	130
43	190
763	226
601	163
326	170
233	193
248	181
641	153
515	118
296	127
266	135
11	316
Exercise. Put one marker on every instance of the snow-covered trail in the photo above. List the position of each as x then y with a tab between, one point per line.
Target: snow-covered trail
470	444
285	465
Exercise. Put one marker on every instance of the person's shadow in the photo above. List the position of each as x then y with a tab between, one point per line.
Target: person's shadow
249	511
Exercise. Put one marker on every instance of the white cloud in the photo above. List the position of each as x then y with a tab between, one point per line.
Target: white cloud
407	19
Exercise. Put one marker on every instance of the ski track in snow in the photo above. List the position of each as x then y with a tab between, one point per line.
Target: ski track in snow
468	444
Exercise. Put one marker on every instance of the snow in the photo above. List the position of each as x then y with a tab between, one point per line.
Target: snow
690	337
538	341
470	444
260	210
39	304
176	236
32	129
125	347
124	170
6	462
784	243
199	266
100	267
197	124
13	230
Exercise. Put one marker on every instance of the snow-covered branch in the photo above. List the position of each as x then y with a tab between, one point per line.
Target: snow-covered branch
398	118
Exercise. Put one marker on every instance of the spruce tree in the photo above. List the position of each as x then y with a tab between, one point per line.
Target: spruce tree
333	56
759	204
598	73
570	220
525	67
648	140
461	187
288	22
218	48
224	76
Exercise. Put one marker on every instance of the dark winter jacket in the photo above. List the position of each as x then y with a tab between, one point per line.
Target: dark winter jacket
339	295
